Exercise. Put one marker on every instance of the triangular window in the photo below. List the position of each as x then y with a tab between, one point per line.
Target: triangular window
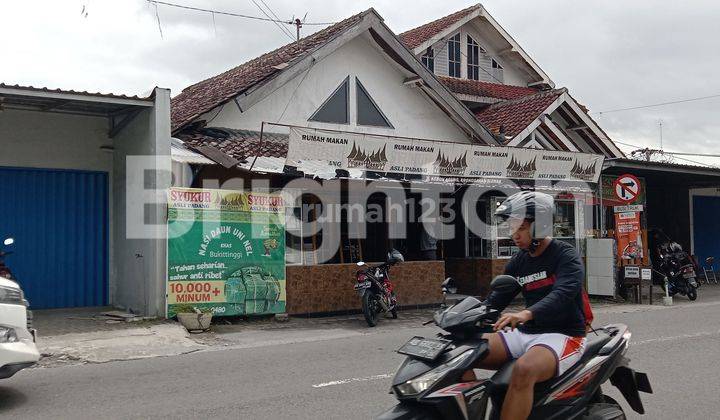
335	108
368	112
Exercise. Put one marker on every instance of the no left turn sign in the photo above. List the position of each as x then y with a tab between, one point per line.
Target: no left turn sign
627	188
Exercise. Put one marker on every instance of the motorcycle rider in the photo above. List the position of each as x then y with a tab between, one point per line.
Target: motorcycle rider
548	336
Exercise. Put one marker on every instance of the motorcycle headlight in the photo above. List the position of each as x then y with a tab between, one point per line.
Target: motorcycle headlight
426	380
8	335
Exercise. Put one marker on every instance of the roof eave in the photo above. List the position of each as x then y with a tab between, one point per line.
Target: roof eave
515	47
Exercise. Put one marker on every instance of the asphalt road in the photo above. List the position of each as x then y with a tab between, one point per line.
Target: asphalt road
344	374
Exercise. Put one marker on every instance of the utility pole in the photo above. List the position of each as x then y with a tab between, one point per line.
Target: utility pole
661	145
298	24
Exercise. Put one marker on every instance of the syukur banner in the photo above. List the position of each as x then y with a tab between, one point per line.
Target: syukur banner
226	251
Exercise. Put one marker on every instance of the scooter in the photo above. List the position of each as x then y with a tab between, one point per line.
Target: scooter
679	270
375	289
4	269
437	379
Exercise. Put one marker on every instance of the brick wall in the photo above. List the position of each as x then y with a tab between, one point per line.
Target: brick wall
329	287
473	275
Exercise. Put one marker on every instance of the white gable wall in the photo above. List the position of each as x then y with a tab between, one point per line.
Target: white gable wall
511	74
407	108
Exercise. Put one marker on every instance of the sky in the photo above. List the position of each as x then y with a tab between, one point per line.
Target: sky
610	54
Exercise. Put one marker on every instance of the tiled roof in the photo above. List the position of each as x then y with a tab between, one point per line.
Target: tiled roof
485	89
71	92
201	97
238	144
515	115
417	36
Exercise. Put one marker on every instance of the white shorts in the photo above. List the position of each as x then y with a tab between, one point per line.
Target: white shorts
567	350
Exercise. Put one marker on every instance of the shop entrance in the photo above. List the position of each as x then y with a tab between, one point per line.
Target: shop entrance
59	220
706	227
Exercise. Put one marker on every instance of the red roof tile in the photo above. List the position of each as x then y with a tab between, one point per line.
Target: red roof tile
515	115
417	36
202	97
486	89
238	144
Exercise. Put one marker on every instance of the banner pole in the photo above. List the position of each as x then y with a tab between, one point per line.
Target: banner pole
262	128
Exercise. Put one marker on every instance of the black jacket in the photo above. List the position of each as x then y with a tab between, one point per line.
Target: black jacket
552	285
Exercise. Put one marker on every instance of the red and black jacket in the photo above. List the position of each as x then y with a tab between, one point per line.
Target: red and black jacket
552	285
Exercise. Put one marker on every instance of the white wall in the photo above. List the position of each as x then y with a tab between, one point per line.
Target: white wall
511	74
141	264
52	140
407	108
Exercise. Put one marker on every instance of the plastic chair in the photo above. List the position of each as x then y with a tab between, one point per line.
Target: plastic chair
709	271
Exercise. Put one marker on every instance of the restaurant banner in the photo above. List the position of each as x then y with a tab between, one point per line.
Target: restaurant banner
226	251
343	150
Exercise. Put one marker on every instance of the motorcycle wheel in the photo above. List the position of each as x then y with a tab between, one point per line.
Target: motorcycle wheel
370	308
692	293
609	409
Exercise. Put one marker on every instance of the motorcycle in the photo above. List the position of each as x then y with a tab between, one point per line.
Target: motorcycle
375	289
679	271
4	269
437	380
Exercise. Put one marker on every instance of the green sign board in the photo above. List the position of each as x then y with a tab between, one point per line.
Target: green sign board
226	251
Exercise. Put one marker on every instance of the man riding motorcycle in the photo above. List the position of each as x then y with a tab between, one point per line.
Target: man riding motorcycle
548	336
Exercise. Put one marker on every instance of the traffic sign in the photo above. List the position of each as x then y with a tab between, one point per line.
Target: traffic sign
627	188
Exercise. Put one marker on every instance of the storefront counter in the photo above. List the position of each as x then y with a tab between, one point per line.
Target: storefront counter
328	288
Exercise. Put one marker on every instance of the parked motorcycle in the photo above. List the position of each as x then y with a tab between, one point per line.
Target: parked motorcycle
679	270
375	289
4	269
437	380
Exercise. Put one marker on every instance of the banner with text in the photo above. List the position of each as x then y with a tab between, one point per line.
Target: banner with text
226	251
422	157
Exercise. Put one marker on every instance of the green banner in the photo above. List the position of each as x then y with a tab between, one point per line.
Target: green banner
226	251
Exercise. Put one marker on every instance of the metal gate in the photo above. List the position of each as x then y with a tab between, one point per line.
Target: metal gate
59	219
706	227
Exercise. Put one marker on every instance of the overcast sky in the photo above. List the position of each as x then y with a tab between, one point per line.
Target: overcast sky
610	54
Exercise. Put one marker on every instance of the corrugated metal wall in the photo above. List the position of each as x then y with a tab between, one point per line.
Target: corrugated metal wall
59	219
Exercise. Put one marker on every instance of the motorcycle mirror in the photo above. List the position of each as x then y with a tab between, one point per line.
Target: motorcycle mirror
360	263
448	286
9	241
504	284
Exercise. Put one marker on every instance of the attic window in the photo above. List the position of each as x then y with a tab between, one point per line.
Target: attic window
368	112
473	59
495	64
428	59
335	109
454	56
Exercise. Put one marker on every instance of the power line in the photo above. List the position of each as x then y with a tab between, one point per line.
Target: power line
282	28
659	104
275	16
218	12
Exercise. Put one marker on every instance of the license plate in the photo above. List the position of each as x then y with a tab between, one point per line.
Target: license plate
363	285
424	348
